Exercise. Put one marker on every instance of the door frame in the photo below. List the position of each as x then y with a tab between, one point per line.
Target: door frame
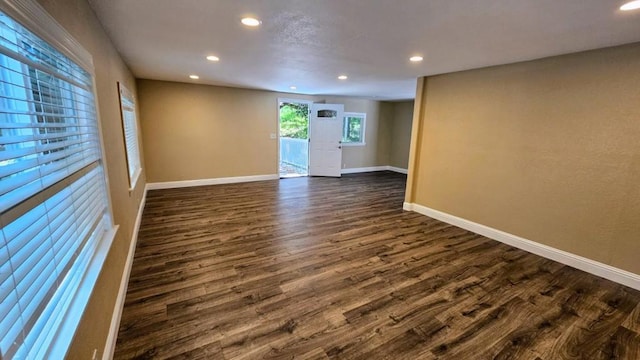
290	100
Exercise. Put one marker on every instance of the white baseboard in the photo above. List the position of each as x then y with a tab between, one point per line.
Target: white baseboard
240	179
373	168
363	169
594	267
397	169
124	283
214	181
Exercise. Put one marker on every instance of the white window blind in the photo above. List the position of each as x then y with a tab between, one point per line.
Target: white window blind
130	127
54	210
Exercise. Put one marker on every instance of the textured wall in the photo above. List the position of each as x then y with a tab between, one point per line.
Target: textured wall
547	150
401	134
377	136
195	132
199	132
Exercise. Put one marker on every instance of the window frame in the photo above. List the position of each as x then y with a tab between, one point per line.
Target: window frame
31	15
127	96
363	126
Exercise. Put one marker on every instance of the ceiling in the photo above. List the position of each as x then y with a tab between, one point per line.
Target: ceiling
308	43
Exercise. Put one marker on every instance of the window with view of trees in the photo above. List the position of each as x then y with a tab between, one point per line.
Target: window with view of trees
353	128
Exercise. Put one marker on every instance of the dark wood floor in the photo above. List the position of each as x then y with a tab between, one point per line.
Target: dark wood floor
317	268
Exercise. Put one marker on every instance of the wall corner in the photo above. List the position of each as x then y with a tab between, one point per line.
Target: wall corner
416	136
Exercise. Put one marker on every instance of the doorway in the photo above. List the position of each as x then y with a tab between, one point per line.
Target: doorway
293	123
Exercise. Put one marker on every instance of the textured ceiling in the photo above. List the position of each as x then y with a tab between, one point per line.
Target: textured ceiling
308	43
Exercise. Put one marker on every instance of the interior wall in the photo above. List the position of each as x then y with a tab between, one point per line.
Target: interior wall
80	21
377	132
546	150
193	131
401	134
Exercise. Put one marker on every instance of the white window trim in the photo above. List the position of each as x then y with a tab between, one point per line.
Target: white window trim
32	16
38	21
133	178
134	181
364	128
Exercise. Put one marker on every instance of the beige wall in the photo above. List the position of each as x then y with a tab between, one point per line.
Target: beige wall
78	19
401	134
195	131
547	150
377	132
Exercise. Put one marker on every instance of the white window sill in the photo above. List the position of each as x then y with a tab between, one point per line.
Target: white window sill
136	176
62	340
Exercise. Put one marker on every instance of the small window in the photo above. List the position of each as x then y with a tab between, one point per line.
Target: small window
130	129
327	114
353	128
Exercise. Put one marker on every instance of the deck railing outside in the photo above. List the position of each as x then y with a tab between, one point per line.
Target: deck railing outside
294	153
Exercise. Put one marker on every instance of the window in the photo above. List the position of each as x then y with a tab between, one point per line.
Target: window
55	223
130	128
353	128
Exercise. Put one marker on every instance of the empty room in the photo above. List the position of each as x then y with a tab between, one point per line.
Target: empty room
319	179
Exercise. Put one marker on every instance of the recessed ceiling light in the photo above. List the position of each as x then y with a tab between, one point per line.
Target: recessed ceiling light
213	58
631	5
416	58
194	77
343	77
292	87
249	21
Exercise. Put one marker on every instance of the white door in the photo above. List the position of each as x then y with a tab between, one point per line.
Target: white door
325	139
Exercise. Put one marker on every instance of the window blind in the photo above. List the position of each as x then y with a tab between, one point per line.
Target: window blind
130	127
53	199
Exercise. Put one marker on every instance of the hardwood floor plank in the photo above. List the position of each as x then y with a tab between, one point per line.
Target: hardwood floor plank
632	322
594	326
324	268
624	344
486	329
